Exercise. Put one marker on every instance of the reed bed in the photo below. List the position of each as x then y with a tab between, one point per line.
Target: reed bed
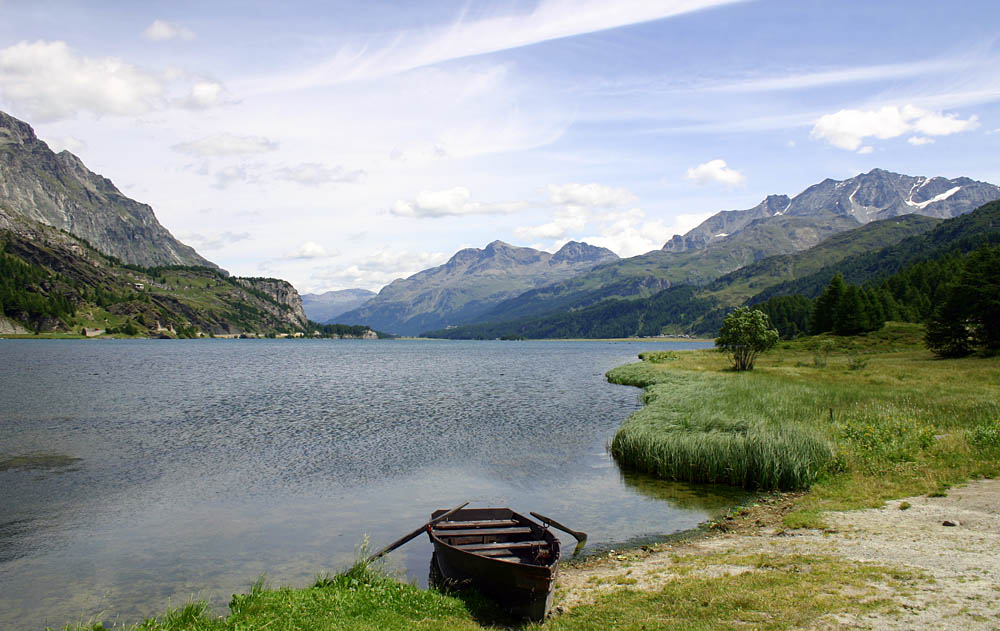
721	429
903	421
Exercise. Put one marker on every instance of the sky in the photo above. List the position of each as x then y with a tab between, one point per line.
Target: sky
345	144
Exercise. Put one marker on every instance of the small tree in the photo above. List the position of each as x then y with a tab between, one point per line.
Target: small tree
746	333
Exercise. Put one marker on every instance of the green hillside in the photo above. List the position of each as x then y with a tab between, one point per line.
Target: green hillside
647	274
688	309
52	282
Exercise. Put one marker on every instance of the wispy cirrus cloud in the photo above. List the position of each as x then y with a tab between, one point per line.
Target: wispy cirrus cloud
550	20
226	144
316	174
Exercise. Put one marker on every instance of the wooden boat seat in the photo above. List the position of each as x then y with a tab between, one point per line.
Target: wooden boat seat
479	523
508	545
476	532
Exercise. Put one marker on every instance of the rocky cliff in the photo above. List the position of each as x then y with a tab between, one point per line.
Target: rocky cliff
281	292
58	190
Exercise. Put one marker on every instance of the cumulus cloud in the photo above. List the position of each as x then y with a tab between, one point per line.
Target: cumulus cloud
310	250
205	94
716	172
49	81
215	241
630	233
451	202
378	270
315	174
161	30
226	145
848	129
575	206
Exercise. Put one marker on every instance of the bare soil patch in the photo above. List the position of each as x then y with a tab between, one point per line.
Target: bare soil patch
958	565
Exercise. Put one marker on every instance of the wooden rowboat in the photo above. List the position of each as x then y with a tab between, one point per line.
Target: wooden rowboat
506	556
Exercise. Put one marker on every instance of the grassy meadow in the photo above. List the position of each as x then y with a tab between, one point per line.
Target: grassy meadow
855	421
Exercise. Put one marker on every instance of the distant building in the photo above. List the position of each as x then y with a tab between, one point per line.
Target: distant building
138	286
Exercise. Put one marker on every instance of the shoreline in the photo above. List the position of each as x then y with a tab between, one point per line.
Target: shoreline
951	580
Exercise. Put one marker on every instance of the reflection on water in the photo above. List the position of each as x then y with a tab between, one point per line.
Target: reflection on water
137	473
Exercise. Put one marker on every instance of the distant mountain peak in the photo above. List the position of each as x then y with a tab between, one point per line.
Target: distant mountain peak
866	197
471	282
575	251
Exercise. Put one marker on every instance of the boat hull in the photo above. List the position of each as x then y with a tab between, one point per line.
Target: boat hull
523	587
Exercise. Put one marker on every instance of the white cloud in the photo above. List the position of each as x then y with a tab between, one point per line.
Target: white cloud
215	241
549	20
590	195
920	140
161	30
377	270
451	202
856	74
49	81
315	174
205	94
226	145
847	129
715	172
576	205
866	150
310	250
630	233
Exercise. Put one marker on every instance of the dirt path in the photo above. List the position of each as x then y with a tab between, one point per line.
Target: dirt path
960	564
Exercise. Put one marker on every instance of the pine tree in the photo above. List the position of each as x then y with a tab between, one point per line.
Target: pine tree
826	305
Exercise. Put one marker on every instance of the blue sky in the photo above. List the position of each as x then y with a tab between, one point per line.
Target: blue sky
345	144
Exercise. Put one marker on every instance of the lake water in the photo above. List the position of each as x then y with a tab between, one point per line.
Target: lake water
140	473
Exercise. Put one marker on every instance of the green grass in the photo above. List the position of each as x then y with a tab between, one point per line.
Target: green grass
359	599
903	423
771	591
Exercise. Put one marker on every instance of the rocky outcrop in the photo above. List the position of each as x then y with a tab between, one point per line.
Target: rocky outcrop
725	223
9	327
58	190
281	292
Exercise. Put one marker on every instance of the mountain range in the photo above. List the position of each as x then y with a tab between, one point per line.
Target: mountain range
469	284
328	306
59	222
504	283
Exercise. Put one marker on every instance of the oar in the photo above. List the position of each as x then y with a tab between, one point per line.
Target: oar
395	544
581	537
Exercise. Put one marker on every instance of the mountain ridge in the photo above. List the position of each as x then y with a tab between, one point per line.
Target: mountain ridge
469	283
58	190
